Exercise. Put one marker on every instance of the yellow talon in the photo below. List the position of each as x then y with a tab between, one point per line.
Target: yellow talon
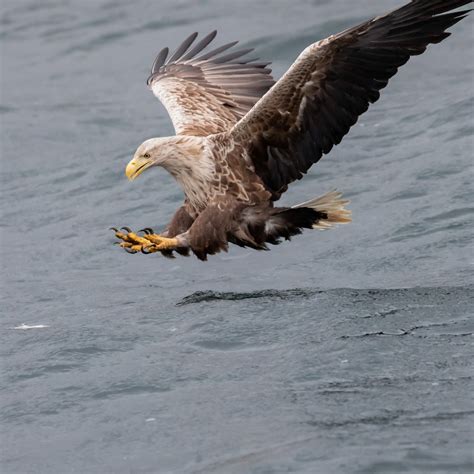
154	238
121	236
134	238
150	249
130	246
148	243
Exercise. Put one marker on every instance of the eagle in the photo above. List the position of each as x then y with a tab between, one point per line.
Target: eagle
242	138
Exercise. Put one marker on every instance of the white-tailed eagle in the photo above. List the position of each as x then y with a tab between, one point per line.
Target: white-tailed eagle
242	138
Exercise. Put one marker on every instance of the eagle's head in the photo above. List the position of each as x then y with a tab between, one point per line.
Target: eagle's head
176	154
152	152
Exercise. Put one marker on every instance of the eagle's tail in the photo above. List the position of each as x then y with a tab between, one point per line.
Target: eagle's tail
258	228
331	205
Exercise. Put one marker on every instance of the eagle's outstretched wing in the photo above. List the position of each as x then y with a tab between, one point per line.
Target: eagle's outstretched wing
331	84
207	93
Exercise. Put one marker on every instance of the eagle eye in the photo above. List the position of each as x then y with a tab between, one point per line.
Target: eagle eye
146	155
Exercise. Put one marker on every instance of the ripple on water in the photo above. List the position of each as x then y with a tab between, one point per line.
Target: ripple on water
406	195
5	109
443	222
44	370
125	389
225	345
101	41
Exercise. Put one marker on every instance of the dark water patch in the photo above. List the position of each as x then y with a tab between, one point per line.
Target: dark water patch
453	214
461	132
379	333
123	390
440	172
69	388
383	419
88	24
421	465
417	230
112	37
360	296
68	177
160	25
336	392
227	345
106	122
444	416
460	328
6	109
97	42
207	296
453	219
365	383
398	417
382	314
454	112
43	371
405	195
87	350
291	46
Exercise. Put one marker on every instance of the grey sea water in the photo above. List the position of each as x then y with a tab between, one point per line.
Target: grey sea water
341	352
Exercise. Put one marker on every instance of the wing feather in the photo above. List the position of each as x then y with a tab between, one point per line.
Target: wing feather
183	47
160	60
200	46
217	51
209	93
314	105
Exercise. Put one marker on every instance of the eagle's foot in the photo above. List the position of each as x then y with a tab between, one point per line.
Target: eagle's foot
160	244
146	243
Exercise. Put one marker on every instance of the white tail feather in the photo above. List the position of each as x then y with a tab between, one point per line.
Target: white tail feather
331	204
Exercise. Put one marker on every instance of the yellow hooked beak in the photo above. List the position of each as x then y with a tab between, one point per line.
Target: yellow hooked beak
137	166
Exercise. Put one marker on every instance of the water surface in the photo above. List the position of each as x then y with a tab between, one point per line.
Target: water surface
342	351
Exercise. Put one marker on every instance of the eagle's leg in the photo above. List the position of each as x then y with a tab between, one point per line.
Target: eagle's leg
147	243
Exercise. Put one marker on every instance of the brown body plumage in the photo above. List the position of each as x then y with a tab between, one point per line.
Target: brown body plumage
242	138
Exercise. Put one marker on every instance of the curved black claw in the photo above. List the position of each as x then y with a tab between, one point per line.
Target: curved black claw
145	251
126	229
130	250
147	230
114	229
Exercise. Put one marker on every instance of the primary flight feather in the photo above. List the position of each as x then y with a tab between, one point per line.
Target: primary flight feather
241	138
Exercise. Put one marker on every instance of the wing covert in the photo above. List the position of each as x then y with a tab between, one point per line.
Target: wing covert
314	105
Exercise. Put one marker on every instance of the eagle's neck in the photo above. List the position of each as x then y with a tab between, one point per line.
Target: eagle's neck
192	167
